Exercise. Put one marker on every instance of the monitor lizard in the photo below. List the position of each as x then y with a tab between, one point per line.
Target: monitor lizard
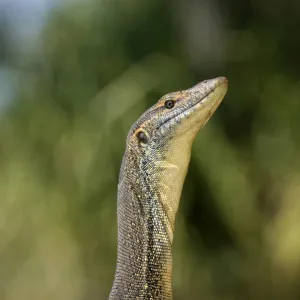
154	167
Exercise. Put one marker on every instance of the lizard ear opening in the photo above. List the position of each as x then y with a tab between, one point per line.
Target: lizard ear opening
142	137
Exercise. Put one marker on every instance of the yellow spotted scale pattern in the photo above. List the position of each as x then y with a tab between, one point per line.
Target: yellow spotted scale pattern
154	166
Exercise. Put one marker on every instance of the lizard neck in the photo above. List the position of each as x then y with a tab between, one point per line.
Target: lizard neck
144	262
147	206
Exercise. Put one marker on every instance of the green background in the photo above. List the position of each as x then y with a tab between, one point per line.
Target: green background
100	64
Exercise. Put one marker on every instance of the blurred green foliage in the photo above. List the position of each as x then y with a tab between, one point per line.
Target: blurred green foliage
101	65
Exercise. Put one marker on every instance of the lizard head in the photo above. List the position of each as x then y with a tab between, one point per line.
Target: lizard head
178	114
162	138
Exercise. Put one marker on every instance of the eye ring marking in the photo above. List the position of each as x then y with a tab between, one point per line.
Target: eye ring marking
142	137
169	104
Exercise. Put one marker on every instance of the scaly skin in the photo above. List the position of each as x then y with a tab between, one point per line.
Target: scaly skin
154	167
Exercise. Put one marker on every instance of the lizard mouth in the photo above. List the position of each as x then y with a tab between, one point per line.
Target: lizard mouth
186	110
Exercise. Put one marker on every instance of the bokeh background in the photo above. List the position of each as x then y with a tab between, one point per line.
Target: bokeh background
74	76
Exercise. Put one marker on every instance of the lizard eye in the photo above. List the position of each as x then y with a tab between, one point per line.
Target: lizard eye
142	137
169	104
